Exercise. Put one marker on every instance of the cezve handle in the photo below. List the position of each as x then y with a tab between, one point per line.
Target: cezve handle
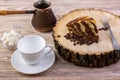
6	12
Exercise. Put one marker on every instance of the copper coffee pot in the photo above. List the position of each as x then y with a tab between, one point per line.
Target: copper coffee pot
43	17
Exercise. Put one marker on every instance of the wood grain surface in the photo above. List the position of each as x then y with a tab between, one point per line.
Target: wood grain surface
61	70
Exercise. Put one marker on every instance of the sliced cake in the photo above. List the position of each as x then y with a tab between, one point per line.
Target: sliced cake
82	30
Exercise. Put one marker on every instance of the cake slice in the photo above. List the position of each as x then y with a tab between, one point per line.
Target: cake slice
82	30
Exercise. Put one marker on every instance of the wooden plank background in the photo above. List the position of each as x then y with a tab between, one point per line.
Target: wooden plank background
61	70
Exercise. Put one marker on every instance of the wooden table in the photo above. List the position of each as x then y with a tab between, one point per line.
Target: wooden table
61	70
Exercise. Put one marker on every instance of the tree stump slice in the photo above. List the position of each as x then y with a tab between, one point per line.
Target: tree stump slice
95	55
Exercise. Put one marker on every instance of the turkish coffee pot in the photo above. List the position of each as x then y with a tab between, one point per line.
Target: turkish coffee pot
43	17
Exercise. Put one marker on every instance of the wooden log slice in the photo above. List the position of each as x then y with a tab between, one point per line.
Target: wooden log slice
95	55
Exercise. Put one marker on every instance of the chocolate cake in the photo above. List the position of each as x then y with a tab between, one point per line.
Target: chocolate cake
100	51
82	30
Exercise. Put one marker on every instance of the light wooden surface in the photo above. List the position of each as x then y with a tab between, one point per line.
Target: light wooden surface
61	70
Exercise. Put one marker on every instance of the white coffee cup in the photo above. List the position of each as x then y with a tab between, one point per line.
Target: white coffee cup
32	48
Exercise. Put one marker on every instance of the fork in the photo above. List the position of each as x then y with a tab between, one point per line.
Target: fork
105	23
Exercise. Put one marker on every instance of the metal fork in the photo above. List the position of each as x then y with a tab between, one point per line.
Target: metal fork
105	23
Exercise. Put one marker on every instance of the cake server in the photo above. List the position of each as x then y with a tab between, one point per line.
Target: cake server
105	23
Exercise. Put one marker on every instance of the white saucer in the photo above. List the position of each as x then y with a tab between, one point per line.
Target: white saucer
20	65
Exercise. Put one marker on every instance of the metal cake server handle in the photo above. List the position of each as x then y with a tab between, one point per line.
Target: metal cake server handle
105	23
